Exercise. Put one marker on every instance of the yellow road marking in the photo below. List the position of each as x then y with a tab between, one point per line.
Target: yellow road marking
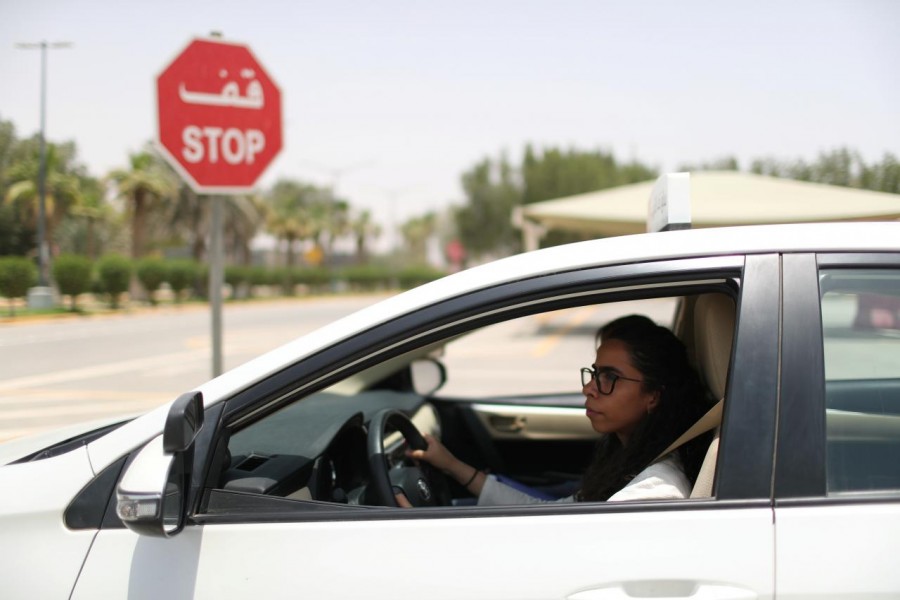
552	341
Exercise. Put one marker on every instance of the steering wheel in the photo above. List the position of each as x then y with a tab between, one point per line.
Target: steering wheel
422	484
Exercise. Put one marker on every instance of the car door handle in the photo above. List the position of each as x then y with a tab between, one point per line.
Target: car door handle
508	424
666	590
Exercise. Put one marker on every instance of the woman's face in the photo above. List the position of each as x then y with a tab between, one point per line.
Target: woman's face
621	411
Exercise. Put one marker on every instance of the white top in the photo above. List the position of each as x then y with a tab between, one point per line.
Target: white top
663	480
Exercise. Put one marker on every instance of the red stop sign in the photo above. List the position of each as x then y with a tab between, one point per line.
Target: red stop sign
219	116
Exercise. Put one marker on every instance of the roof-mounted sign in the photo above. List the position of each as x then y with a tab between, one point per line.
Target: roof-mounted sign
670	203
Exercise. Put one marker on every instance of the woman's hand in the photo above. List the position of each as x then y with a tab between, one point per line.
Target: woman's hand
436	454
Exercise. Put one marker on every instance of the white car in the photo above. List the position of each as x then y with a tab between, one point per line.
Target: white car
275	480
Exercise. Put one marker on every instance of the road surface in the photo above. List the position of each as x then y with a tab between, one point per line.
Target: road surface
57	372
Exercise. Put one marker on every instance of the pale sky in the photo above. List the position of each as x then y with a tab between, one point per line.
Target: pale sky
392	99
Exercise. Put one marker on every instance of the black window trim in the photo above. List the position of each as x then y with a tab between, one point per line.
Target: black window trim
800	453
744	465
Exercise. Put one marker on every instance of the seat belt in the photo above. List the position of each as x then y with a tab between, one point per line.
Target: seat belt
708	422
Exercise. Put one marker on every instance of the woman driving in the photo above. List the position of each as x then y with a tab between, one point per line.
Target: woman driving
641	393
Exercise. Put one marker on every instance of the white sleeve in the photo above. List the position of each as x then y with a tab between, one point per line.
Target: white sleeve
494	493
663	480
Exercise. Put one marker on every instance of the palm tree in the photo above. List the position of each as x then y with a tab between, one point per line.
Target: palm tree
93	208
417	232
363	229
190	215
62	190
146	185
338	221
289	218
244	216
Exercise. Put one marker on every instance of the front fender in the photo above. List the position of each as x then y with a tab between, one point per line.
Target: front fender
39	556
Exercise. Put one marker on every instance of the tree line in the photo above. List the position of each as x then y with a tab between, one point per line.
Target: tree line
495	186
145	210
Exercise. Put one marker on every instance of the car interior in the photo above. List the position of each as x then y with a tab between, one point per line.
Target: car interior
317	448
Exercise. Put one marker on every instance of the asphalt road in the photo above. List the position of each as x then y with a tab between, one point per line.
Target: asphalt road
57	372
65	371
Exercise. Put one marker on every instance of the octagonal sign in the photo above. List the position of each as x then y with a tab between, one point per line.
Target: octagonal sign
219	116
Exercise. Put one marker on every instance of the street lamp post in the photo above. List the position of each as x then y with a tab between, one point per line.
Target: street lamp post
42	296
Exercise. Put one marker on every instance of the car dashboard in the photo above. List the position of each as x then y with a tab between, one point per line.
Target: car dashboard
316	449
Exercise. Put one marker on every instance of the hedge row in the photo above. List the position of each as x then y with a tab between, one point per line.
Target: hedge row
17	274
112	274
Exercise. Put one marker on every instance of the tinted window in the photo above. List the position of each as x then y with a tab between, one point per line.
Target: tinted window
861	326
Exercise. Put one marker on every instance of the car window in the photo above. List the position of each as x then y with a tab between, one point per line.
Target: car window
537	354
861	330
522	370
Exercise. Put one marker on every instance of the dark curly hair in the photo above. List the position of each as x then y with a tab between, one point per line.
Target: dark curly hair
663	362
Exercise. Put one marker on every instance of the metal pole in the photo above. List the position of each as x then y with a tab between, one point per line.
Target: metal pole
42	177
216	280
42	298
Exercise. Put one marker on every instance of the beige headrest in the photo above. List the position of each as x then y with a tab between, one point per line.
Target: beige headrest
713	335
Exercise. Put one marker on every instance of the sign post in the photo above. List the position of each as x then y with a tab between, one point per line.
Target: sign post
219	126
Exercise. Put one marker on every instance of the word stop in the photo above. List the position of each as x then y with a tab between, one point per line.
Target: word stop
233	145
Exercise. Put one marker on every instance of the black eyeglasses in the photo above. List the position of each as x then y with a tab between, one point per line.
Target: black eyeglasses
606	380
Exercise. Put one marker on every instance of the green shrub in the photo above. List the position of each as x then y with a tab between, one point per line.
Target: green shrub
73	276
201	283
152	273
182	274
367	277
17	274
258	276
238	277
315	278
411	277
114	272
287	278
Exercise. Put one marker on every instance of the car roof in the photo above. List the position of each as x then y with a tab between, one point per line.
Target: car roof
807	237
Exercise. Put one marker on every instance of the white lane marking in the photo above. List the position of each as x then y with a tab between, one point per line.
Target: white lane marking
82	373
101	408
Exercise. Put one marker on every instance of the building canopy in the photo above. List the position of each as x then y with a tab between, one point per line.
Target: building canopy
718	198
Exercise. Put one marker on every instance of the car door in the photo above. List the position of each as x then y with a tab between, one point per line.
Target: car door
837	482
719	547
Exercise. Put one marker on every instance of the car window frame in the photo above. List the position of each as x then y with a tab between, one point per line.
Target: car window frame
801	473
445	318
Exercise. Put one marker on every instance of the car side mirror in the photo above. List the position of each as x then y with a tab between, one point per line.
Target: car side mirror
428	376
151	498
183	422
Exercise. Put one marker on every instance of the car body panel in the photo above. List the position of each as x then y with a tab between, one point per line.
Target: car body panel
18	448
835	550
491	557
34	497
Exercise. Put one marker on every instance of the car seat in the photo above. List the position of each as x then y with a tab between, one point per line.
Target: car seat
714	318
